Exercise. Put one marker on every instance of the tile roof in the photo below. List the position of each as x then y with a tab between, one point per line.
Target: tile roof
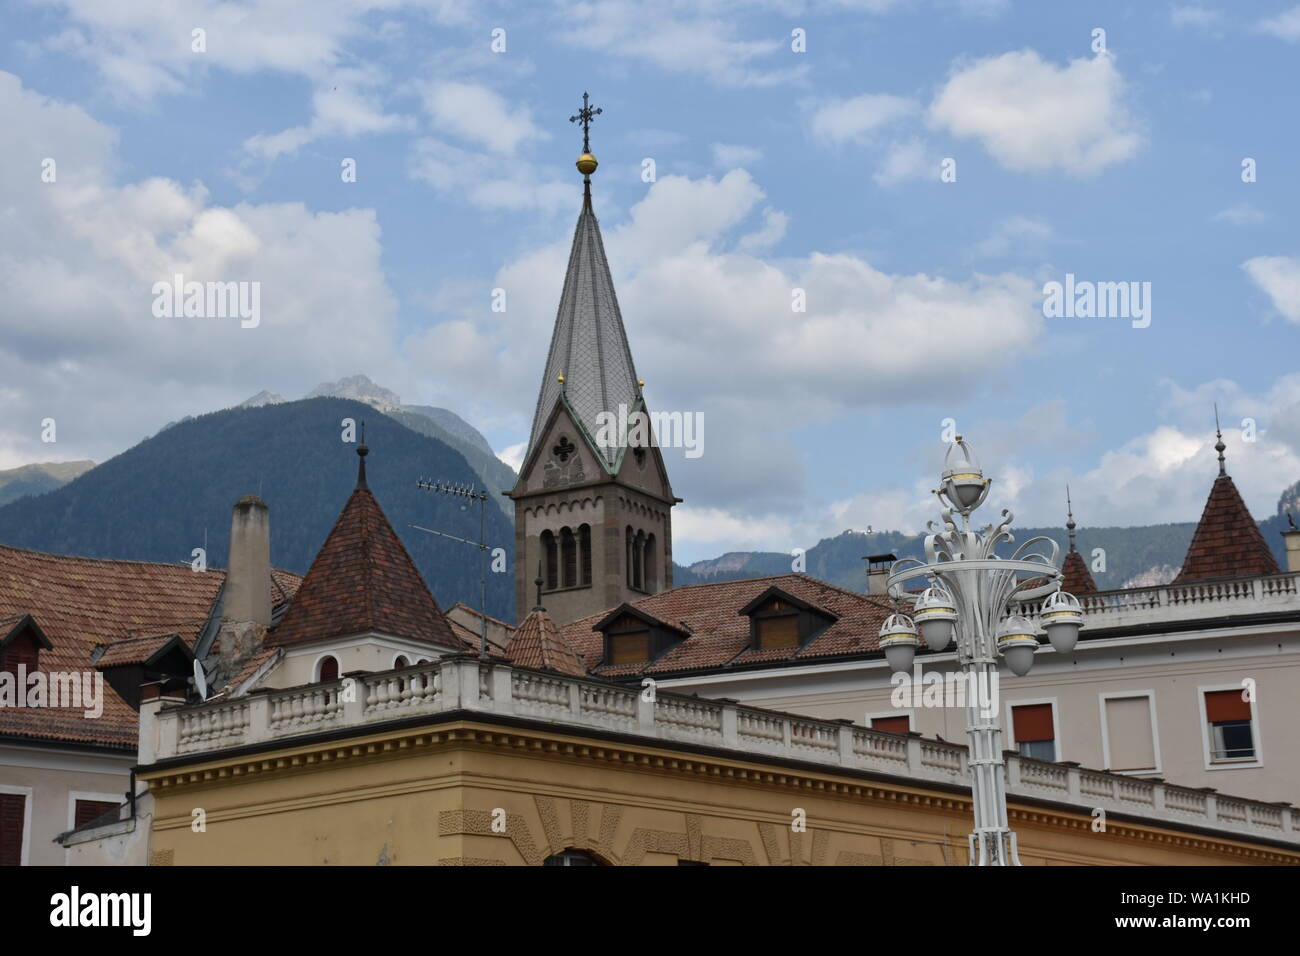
363	580
537	644
1078	579
472	639
81	603
135	650
720	635
1227	542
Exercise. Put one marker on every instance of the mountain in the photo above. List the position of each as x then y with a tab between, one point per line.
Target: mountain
172	492
262	398
36	479
1146	552
440	423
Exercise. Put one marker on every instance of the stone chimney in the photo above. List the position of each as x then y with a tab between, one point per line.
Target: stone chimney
1292	538
878	568
248	582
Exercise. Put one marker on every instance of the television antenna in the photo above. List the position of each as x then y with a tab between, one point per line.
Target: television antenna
470	493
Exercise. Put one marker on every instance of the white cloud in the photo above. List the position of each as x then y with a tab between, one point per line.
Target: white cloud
1032	115
1279	278
1241	214
513	455
730	156
1284	26
463	175
855	119
1193	15
905	160
700	41
1026	234
481	115
76	290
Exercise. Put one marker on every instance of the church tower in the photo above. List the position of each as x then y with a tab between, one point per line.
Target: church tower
591	512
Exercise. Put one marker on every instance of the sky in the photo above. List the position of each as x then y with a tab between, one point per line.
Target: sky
916	171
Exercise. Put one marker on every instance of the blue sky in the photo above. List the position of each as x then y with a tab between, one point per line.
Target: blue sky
775	170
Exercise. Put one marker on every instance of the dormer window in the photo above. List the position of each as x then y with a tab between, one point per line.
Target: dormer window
780	620
634	637
21	642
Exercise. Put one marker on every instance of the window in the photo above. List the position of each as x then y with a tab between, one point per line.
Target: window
1034	731
13	815
630	648
584	546
327	669
648	564
893	725
630	579
550	558
638	561
87	810
400	662
571	858
1129	729
777	631
1230	723
568	558
23	650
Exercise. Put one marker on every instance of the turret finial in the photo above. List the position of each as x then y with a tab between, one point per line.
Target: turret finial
538	581
586	162
1069	523
1219	446
362	451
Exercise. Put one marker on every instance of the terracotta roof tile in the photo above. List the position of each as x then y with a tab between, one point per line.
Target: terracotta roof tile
1227	542
363	580
537	644
1078	579
720	635
81	603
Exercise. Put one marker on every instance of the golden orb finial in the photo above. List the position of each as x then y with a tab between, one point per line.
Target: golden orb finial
560	379
587	164
640	382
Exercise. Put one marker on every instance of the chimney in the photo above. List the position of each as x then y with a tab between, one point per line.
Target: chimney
878	566
1291	536
248	582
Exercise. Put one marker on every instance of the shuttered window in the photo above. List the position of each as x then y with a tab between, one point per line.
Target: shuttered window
1232	737
1130	738
1034	733
779	631
329	669
23	649
629	648
87	810
893	725
12	809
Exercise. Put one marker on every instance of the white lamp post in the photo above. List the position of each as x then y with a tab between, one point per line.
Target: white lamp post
970	596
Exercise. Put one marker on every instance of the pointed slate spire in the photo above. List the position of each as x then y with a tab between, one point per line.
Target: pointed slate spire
363	581
1227	542
1078	579
589	366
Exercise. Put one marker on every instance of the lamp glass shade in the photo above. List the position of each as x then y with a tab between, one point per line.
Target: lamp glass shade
1019	658
1063	635
937	634
900	657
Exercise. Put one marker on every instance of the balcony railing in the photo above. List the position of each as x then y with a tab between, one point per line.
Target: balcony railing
463	684
1186	602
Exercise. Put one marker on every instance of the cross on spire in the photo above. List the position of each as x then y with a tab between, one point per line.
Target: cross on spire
585	116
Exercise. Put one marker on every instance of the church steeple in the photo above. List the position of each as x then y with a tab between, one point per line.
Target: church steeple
594	511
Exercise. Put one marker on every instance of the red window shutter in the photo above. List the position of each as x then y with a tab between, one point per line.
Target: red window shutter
23	649
88	810
329	669
1225	705
12	808
1033	722
893	725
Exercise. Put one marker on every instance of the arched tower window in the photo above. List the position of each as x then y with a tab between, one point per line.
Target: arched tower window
568	558
550	560
650	565
630	579
638	557
584	547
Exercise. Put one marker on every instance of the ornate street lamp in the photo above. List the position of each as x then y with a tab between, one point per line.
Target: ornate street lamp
974	595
